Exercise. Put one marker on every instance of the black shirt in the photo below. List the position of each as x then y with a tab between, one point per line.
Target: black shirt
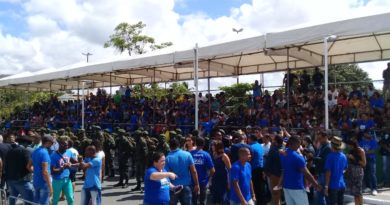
16	162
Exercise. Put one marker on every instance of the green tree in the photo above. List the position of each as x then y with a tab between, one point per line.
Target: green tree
236	95
129	37
155	90
16	100
343	74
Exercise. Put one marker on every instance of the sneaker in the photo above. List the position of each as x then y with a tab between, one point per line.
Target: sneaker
374	192
366	190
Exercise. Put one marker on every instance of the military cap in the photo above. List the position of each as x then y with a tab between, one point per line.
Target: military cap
222	131
107	130
53	131
138	132
81	130
145	132
162	135
122	131
96	127
172	132
178	130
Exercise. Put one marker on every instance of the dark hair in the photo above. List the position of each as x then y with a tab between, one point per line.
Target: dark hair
155	157
174	143
252	137
200	142
219	146
97	144
293	140
278	139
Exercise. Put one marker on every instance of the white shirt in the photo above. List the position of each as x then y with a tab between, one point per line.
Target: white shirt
266	147
100	154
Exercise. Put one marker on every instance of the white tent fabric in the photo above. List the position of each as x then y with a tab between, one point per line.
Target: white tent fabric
359	40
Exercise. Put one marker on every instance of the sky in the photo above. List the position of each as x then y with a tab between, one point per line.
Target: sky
41	34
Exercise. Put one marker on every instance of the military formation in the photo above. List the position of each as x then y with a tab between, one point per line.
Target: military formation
127	154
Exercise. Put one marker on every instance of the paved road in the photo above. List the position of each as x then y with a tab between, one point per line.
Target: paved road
123	196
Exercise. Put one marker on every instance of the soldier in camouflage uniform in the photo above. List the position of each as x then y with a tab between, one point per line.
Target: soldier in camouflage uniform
141	154
84	141
162	145
108	148
124	148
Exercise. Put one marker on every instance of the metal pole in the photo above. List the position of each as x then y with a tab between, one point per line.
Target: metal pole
78	100
154	100
326	83
82	106
288	83
110	84
208	87
196	86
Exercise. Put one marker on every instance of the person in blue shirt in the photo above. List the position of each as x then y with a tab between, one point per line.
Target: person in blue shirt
319	161
365	123
157	182
370	146
240	178
92	166
205	169
182	164
60	165
294	170
335	166
41	175
257	164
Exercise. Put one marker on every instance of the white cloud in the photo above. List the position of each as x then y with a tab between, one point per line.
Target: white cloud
59	31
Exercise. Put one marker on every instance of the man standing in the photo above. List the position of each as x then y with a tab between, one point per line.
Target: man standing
60	169
240	177
257	163
92	189
205	169
335	165
41	176
141	154
386	81
182	164
385	152
18	175
370	145
294	170
319	160
124	148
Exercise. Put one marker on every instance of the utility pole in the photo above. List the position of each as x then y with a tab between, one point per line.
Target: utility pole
87	54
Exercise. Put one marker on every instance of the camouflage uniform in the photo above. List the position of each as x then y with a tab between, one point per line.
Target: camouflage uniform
141	154
108	148
162	145
124	148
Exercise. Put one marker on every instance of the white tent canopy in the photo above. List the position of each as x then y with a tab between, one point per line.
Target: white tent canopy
359	40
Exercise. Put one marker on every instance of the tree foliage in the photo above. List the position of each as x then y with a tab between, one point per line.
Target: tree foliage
237	95
155	90
345	75
129	37
16	100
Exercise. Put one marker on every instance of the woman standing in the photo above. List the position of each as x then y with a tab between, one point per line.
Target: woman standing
157	183
355	172
190	143
220	180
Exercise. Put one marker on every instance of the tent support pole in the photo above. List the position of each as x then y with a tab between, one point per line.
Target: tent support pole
110	84
82	106
326	83
288	83
196	86
78	100
154	100
208	87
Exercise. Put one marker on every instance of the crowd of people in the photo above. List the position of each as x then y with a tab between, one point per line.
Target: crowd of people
274	149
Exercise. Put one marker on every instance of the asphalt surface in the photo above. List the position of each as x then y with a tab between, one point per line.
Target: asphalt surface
121	196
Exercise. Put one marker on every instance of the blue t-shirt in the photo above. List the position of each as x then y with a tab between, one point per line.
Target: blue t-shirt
39	156
203	163
242	174
336	163
257	155
58	160
371	144
365	125
292	164
92	174
179	162
156	191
